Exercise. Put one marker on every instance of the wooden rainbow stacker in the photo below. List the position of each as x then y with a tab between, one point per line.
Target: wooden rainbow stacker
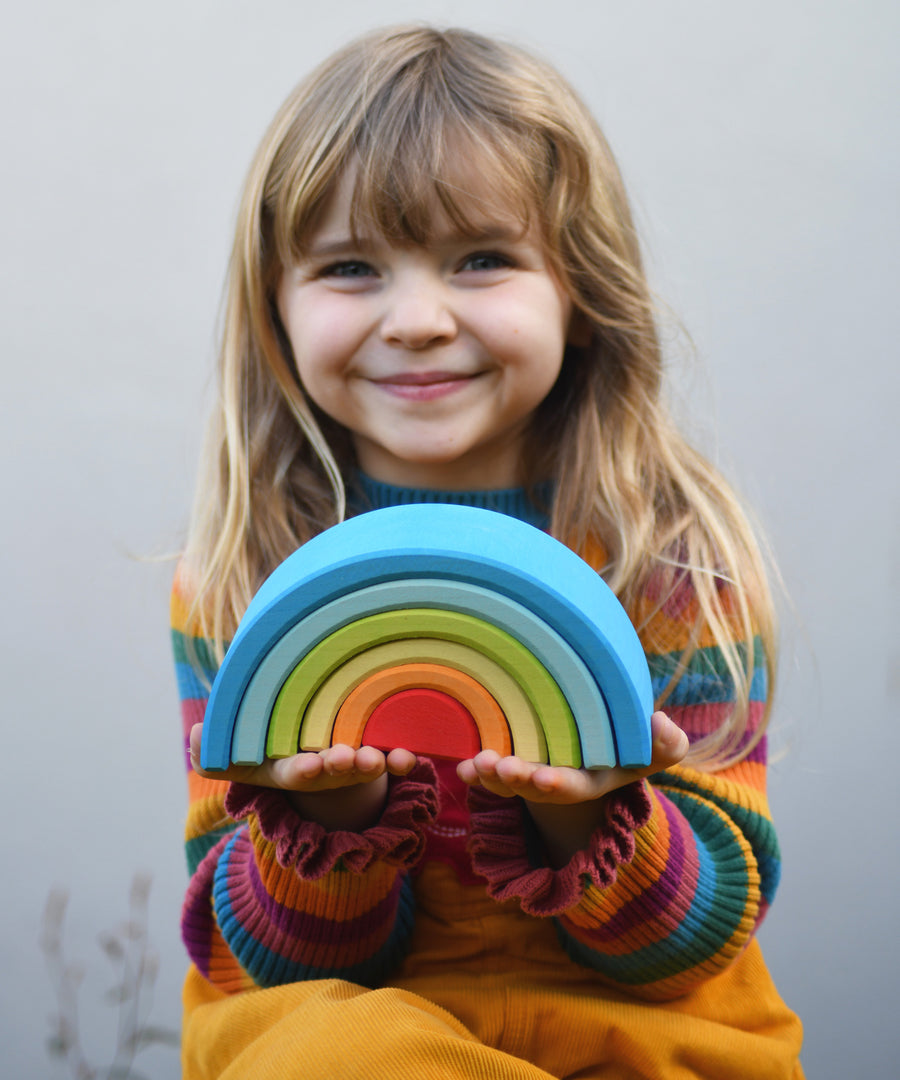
442	629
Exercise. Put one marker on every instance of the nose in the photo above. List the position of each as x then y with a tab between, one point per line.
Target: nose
418	314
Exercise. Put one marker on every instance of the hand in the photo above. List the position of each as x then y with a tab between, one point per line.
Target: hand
566	804
323	770
509	776
341	788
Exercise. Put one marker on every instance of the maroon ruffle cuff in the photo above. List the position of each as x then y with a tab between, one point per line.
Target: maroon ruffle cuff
398	838
499	854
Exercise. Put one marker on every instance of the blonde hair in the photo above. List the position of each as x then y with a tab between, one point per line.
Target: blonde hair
402	106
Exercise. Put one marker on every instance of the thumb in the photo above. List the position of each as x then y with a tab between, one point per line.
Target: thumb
669	742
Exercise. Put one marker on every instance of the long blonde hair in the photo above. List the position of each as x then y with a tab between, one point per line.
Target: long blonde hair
401	106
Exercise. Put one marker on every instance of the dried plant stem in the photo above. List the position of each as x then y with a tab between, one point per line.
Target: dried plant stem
135	968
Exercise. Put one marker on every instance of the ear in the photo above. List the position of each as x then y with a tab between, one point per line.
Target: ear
580	332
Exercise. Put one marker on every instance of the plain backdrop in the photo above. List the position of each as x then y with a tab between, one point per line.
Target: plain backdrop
759	142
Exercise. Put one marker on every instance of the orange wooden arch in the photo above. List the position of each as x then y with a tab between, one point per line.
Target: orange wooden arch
357	708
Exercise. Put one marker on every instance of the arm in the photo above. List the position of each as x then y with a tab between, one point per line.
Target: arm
275	897
681	866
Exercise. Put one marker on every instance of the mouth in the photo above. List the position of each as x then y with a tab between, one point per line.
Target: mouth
425	385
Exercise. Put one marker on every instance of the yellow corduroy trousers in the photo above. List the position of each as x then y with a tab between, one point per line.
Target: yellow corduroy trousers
487	993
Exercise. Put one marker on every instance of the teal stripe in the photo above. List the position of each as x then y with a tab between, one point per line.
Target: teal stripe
757	828
196	652
699	689
372	494
769	876
195	850
706	679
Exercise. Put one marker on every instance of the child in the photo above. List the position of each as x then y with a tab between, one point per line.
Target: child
436	293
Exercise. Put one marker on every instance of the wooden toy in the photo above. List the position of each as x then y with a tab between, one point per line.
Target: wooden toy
535	627
525	730
525	726
319	663
571	674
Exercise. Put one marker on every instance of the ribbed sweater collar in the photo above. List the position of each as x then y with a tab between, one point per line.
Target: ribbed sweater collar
369	494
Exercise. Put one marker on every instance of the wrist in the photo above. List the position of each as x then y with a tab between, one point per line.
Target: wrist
566	828
347	809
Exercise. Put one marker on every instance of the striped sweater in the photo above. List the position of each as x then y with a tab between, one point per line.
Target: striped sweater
670	891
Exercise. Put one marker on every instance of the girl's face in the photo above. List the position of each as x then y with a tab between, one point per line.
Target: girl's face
434	358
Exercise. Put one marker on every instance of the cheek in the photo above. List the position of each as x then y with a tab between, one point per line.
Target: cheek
320	344
536	320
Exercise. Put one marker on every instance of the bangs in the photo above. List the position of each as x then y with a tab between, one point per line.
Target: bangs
426	175
435	141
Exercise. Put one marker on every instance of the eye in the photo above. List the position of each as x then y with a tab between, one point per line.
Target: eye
348	269
486	260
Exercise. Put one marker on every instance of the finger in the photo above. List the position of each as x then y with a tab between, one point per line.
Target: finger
467	772
567	785
545	783
250	774
370	761
506	776
485	763
338	759
400	762
547	779
196	738
670	744
531	779
513	771
338	766
344	766
290	773
511	775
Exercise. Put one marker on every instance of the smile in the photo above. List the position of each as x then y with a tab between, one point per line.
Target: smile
424	386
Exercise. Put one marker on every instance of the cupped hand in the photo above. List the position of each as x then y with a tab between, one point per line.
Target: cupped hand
510	776
313	771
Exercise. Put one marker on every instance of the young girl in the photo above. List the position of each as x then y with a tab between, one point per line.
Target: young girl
436	294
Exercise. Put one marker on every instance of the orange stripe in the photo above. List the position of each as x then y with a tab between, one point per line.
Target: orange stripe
224	969
671	631
201	787
324	896
723	785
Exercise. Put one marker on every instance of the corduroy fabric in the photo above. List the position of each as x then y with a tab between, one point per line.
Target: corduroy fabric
484	994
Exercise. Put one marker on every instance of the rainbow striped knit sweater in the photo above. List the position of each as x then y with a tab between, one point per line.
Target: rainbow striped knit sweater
669	893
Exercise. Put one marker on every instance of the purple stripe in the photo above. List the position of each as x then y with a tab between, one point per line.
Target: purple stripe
301	924
197	922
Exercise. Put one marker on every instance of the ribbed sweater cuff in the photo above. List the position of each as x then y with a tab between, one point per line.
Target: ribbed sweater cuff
499	851
313	851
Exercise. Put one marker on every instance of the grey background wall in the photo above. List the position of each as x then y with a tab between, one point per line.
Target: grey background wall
759	142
